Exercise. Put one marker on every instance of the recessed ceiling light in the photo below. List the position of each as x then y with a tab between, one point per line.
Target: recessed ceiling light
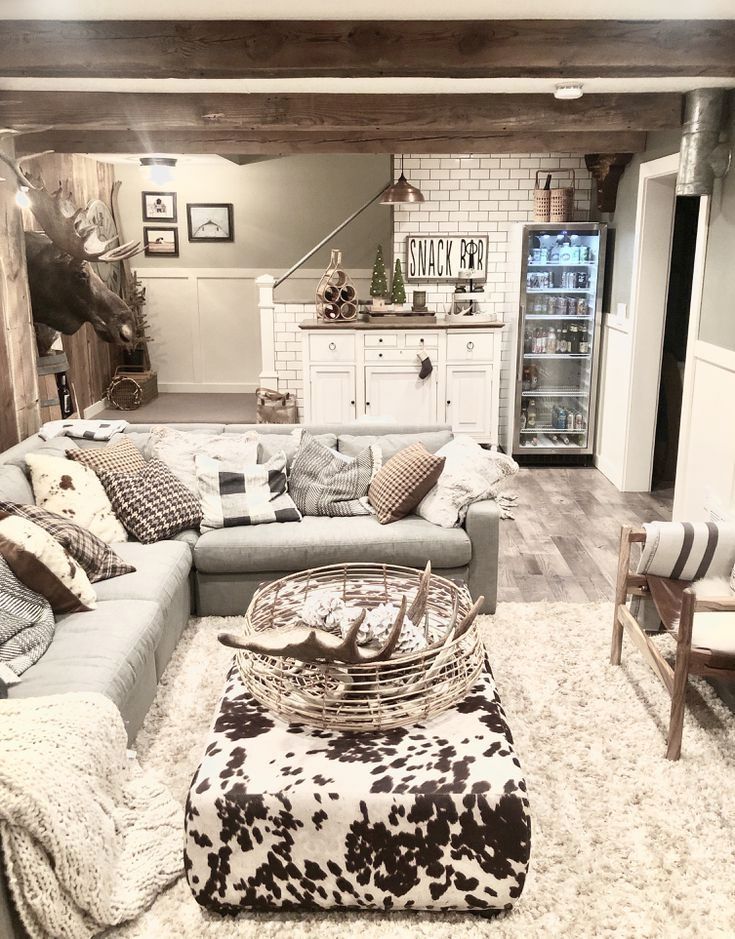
569	91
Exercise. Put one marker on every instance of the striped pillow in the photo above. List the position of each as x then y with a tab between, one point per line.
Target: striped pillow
326	483
688	550
251	494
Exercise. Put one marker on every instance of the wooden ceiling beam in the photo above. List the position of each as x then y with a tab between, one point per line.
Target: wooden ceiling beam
284	142
312	48
467	114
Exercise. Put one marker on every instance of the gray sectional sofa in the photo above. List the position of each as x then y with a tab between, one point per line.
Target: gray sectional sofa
123	646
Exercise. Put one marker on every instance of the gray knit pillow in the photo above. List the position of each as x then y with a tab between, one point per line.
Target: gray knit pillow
323	482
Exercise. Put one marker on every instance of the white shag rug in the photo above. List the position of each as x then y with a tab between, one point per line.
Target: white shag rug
624	842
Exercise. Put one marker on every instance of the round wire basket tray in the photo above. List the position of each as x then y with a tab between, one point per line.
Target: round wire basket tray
361	696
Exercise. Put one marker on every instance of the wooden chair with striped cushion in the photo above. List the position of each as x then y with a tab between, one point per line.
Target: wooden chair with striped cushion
674	556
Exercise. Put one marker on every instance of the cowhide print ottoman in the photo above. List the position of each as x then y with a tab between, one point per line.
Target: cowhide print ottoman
288	817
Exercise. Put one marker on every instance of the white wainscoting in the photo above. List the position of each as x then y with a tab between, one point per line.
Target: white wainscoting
205	327
705	477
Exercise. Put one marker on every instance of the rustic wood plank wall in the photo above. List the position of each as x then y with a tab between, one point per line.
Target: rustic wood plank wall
92	362
19	414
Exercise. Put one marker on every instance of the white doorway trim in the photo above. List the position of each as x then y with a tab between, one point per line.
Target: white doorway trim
654	226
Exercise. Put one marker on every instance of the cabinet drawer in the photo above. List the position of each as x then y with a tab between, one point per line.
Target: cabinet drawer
421	340
470	347
390	355
381	341
332	347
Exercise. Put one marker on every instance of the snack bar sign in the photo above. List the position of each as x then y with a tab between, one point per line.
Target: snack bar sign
438	258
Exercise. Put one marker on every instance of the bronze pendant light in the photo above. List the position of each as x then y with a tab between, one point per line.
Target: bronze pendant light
401	191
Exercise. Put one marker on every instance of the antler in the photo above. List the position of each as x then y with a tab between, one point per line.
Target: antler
317	645
72	234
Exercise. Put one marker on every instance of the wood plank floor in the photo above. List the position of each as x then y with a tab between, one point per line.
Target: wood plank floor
563	542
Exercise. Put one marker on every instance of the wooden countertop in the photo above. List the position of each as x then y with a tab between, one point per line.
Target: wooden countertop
406	322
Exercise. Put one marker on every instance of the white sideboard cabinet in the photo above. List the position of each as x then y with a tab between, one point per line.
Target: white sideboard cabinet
372	372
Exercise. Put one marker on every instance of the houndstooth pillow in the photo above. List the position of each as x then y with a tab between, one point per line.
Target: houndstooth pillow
90	552
152	503
403	482
120	457
233	494
326	483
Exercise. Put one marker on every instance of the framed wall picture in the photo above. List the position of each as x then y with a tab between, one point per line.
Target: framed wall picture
161	242
210	221
159	206
440	258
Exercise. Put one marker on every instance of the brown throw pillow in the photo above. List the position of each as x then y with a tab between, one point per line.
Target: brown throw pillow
152	504
120	457
403	482
91	553
39	562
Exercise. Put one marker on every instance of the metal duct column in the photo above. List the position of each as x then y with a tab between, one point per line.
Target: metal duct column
702	156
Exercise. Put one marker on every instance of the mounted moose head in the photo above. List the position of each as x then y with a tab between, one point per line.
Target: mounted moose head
66	292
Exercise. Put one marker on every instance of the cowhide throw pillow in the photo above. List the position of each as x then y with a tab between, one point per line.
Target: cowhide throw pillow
98	560
72	491
325	483
178	450
244	495
120	457
403	482
39	561
153	503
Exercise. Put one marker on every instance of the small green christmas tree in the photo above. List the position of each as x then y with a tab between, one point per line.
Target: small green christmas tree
379	283
398	288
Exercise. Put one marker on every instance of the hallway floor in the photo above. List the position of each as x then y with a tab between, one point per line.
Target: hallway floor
563	542
190	408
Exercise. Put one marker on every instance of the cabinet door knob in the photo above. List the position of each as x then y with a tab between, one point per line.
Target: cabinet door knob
352	403
380	340
449	402
332	346
367	404
470	345
380	355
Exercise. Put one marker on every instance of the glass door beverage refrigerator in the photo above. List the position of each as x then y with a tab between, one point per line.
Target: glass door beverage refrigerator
562	276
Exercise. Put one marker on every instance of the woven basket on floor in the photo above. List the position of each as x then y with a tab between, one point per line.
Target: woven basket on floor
132	386
401	690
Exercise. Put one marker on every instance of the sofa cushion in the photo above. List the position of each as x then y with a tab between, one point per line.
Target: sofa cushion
179	450
104	650
403	482
271	444
160	569
14	485
390	444
317	541
56	446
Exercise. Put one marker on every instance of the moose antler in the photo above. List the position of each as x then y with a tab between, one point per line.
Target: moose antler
72	234
316	645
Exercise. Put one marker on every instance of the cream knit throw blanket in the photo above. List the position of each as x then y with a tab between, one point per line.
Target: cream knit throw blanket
88	840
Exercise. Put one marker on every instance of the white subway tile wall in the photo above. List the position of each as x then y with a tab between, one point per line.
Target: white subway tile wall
464	193
489	195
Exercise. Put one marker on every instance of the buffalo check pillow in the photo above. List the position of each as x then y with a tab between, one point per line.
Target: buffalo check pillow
251	494
403	482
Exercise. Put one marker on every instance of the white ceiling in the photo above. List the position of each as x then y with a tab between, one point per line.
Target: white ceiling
366	9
